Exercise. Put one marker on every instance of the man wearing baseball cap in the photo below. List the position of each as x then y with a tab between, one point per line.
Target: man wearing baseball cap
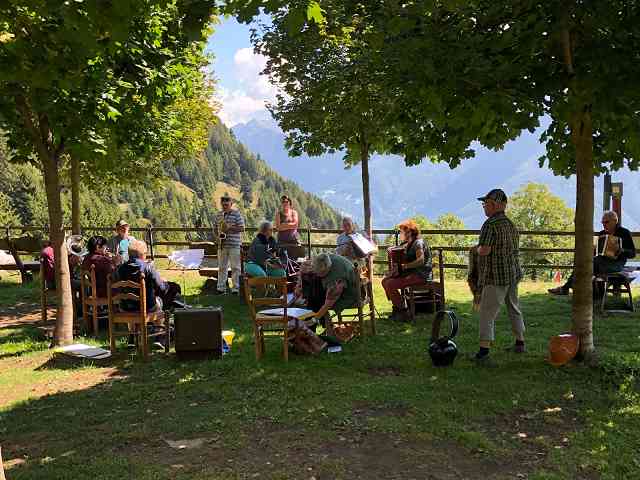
118	245
499	273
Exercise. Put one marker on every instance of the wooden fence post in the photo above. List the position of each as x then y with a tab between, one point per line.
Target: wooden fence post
150	238
309	240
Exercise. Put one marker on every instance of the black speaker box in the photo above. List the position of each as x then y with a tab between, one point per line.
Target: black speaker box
198	333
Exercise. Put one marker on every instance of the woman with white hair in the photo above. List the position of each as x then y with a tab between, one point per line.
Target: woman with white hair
262	259
344	242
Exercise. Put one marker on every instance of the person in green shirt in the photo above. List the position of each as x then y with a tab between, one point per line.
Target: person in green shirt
338	277
262	260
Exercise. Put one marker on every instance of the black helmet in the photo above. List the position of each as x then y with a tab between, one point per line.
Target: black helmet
443	350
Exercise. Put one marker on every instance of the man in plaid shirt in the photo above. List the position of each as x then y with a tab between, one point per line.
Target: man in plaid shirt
499	273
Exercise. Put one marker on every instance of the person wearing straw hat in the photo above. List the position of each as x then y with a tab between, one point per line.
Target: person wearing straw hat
499	273
228	227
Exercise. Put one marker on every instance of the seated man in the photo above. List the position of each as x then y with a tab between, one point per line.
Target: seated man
262	259
417	269
336	277
101	261
118	245
158	291
615	246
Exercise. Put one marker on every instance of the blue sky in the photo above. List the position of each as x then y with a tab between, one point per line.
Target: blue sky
241	89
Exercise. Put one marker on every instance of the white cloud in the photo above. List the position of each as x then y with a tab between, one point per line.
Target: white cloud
252	92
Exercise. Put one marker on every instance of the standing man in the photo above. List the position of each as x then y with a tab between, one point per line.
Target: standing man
499	273
227	228
118	245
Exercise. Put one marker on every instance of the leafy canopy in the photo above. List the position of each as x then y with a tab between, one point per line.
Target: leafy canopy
101	80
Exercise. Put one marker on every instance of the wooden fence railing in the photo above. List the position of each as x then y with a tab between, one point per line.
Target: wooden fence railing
150	232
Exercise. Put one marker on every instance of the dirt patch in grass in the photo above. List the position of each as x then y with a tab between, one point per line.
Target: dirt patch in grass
270	451
76	378
22	314
530	436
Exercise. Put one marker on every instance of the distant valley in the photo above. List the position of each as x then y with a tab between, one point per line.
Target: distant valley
398	191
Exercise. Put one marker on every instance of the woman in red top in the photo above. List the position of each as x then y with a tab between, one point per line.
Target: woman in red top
286	224
99	257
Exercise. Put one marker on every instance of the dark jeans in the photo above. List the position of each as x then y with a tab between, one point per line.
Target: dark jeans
600	265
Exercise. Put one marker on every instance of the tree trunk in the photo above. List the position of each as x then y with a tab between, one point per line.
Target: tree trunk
75	195
2	477
366	200
582	308
64	318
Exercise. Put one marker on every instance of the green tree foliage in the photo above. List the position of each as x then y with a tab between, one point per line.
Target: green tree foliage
330	100
477	71
8	215
534	207
97	81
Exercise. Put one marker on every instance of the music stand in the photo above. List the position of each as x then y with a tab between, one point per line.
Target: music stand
187	259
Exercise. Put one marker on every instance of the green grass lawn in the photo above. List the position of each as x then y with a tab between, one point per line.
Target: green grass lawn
376	410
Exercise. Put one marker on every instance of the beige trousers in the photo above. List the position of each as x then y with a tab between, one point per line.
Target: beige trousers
493	296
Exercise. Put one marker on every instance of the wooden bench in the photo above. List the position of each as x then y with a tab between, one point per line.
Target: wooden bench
16	245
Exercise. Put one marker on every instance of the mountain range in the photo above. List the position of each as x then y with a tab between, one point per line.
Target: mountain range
428	189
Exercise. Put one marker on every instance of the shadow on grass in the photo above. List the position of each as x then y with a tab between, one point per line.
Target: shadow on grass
118	428
20	340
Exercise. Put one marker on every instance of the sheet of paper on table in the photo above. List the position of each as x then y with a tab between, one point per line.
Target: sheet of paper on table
81	350
191	259
299	313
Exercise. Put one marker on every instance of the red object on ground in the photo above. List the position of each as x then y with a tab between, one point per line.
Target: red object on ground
562	349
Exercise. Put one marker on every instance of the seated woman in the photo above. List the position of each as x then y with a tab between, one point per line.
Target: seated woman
332	276
344	243
262	259
158	291
416	270
101	261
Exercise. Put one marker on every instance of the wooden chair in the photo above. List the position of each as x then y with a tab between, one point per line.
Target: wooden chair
136	321
429	293
615	284
267	323
89	292
366	298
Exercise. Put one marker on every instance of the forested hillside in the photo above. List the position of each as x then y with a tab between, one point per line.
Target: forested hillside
188	194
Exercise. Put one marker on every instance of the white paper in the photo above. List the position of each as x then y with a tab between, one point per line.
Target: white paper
300	313
365	245
85	351
191	259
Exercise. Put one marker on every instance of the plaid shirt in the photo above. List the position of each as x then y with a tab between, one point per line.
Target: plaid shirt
502	265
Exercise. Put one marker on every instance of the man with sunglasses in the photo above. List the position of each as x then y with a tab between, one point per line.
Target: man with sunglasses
615	246
229	222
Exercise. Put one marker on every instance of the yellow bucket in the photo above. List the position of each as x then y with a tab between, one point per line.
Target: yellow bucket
228	336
